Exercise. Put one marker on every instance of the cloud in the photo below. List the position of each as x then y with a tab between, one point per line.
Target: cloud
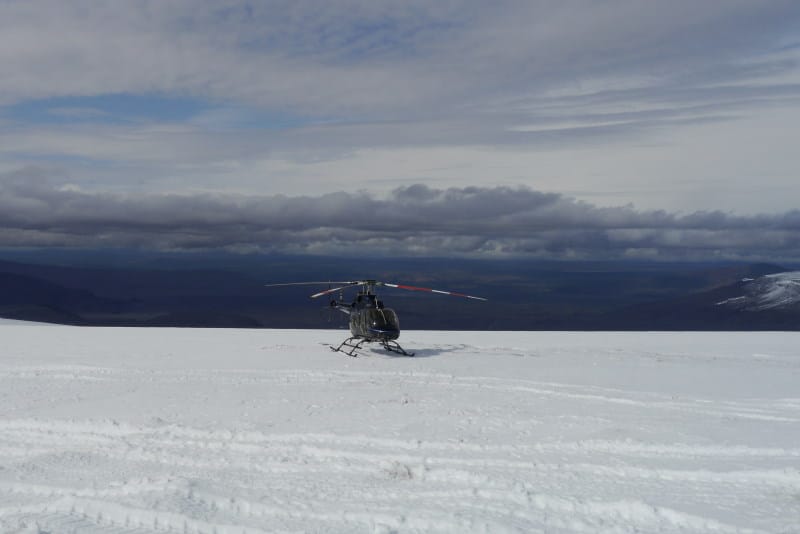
379	61
292	96
413	220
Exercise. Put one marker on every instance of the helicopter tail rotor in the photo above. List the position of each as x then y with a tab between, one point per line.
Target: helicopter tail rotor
328	311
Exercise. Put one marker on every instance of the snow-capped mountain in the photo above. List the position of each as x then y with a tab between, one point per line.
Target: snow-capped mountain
780	291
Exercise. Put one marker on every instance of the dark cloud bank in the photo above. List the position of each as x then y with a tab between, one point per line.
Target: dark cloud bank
415	220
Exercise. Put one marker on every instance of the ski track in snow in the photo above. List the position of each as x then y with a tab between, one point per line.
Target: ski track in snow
159	430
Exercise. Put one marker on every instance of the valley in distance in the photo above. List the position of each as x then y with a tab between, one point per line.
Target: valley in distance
124	288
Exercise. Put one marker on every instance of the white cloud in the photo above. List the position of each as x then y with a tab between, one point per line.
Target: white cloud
682	105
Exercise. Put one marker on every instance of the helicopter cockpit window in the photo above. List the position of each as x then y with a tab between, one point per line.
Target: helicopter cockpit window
383	319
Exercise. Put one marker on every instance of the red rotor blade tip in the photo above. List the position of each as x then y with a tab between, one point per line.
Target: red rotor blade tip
451	293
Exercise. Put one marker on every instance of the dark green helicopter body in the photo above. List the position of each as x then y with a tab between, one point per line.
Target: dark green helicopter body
370	321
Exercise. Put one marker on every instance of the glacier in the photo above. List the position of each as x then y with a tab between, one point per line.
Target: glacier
131	430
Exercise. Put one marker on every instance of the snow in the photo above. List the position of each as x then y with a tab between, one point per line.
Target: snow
4	321
773	291
232	431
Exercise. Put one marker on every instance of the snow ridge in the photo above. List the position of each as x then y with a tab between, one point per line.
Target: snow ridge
770	292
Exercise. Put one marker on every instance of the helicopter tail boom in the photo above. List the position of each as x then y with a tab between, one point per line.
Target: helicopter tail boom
347	310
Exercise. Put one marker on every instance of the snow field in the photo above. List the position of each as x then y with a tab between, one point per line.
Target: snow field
232	431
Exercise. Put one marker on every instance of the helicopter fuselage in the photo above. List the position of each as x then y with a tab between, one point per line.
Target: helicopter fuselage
369	319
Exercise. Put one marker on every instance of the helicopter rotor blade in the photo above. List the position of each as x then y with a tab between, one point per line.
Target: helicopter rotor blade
309	283
429	290
351	283
335	289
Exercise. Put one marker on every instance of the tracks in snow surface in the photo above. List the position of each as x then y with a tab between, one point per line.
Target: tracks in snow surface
104	476
135	431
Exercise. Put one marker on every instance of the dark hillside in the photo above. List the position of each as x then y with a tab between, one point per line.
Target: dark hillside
228	291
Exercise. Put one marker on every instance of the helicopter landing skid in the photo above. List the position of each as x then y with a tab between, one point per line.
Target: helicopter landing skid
351	345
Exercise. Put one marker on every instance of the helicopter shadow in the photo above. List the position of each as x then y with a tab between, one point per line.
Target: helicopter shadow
418	353
374	351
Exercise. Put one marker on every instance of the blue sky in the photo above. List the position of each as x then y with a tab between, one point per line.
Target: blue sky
108	108
132	109
677	106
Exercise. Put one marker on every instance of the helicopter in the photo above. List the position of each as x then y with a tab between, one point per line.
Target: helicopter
370	320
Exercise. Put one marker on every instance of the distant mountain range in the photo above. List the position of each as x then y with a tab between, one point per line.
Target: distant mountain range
228	291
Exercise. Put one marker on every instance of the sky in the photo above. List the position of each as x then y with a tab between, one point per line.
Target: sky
558	130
